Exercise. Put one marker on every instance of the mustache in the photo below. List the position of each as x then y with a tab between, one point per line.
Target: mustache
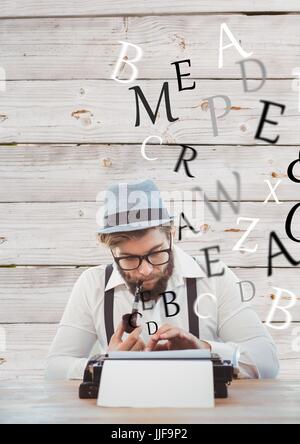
159	286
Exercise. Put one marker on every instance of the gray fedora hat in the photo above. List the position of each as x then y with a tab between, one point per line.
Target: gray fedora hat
132	206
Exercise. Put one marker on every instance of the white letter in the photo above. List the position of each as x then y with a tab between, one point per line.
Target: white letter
237	246
102	217
296	341
121	61
272	191
137	200
144	146
197	301
284	309
234	43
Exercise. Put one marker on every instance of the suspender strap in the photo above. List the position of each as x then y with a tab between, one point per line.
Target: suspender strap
109	305
191	299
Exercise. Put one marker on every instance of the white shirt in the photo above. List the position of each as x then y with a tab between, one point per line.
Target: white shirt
230	326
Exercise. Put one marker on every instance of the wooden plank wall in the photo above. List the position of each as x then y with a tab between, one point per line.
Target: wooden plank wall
67	131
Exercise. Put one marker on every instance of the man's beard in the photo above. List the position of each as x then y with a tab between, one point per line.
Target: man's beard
159	287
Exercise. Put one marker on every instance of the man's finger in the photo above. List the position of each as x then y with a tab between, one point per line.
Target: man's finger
138	346
119	331
151	344
162	347
164	328
166	332
116	339
174	333
170	332
131	339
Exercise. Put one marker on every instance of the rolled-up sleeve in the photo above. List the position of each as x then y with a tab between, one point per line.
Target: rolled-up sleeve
242	337
75	337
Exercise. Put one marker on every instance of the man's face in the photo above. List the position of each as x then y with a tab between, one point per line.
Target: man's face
154	277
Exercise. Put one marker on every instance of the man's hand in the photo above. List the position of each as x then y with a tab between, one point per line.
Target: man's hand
176	339
132	342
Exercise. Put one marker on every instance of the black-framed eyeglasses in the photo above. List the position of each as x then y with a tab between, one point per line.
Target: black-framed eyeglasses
133	262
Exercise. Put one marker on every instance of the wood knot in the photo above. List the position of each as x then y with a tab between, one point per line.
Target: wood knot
2	239
106	162
84	116
3	117
204	105
204	228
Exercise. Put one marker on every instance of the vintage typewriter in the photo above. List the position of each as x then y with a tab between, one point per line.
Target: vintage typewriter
223	373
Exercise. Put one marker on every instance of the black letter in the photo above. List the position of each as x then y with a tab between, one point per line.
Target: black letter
283	251
179	75
134	317
185	161
263	120
288	223
290	170
139	94
181	227
143	299
171	302
152	322
208	262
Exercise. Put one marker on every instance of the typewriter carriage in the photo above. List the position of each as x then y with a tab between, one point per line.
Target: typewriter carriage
223	373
